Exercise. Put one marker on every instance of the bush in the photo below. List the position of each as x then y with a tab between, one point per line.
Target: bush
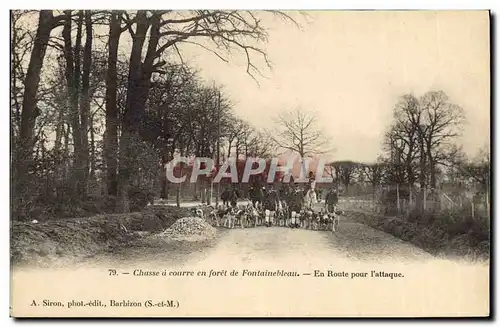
139	198
479	232
388	200
449	232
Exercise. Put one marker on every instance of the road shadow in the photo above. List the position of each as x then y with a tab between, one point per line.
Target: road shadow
357	241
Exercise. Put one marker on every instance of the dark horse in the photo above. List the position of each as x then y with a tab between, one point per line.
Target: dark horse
256	194
229	196
270	200
296	202
285	193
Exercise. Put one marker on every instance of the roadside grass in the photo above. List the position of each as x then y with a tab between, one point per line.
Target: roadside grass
441	233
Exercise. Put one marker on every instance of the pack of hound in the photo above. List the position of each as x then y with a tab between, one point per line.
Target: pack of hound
272	211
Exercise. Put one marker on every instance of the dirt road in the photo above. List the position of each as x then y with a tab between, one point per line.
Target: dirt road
275	245
354	241
200	278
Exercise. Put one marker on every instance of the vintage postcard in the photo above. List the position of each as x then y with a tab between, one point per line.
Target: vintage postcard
230	163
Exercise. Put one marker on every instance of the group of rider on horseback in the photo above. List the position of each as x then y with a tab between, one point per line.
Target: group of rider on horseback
288	199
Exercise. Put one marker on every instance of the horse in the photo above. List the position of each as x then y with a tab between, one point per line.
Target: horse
270	206
233	198
295	206
284	200
229	197
256	195
225	196
310	198
331	200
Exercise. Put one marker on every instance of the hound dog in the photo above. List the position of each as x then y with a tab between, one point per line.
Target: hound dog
240	215
248	215
295	219
281	214
269	213
335	215
269	217
326	220
306	218
336	219
295	215
222	215
257	214
230	217
199	213
252	215
214	218
315	220
216	215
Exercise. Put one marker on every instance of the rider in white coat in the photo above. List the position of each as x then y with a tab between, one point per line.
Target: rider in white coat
311	197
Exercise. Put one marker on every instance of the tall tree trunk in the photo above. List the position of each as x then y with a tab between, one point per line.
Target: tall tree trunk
132	115
14	76
408	162
59	130
24	154
432	170
111	141
422	177
67	133
139	81
72	72
229	149
92	149
85	103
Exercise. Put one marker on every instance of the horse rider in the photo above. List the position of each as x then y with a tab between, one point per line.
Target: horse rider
295	205
270	203
225	196
233	198
331	199
310	198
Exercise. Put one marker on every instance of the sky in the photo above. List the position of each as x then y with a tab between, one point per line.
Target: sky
350	67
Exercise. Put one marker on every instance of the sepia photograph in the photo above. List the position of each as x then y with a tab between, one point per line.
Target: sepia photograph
250	163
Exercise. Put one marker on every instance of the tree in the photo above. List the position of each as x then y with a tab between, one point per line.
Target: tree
421	138
345	172
298	131
402	140
149	103
77	73
46	23
442	121
235	135
478	169
257	144
112	112
374	173
167	29
20	48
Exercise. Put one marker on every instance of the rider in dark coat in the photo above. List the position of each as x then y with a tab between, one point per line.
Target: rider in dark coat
296	197
225	196
270	202
332	199
270	199
256	194
233	198
229	196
